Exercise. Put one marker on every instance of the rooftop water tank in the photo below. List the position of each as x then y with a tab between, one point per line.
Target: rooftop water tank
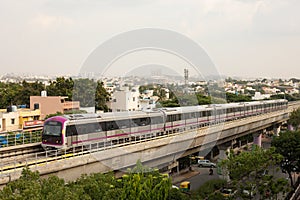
44	93
14	108
8	109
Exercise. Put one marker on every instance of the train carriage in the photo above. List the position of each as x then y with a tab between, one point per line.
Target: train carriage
63	132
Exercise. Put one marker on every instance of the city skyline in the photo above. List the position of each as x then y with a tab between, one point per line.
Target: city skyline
242	38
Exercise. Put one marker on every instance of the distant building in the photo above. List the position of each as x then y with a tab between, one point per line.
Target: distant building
9	121
124	100
52	104
259	96
13	119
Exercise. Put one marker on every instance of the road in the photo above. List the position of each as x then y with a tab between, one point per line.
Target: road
200	179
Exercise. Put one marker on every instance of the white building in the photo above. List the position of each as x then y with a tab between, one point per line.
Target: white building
259	96
125	100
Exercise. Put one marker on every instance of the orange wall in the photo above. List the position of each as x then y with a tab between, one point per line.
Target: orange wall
47	105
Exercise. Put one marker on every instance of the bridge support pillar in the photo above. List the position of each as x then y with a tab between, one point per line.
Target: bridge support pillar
290	127
276	129
257	137
224	150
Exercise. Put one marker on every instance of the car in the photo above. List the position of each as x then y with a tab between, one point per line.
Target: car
206	163
228	192
249	191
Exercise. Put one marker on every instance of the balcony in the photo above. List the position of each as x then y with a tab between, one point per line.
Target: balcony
70	105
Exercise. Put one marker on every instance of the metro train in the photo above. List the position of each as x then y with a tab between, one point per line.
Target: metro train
68	131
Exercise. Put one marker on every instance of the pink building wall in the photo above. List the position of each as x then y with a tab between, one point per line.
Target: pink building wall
52	104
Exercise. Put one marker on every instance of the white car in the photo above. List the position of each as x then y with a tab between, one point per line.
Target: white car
206	163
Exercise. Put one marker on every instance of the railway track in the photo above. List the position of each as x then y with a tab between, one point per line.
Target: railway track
12	151
18	154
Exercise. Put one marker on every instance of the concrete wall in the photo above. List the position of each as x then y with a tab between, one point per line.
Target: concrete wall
6	120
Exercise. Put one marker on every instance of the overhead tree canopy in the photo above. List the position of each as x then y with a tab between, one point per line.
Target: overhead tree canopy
288	145
295	119
245	169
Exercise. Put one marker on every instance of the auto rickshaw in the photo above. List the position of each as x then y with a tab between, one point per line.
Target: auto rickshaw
185	186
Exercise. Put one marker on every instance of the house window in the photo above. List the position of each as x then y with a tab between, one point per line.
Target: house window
133	99
12	121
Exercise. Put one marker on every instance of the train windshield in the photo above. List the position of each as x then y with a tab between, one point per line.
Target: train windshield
52	128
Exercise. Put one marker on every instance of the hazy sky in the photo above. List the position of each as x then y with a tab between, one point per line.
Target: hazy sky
242	37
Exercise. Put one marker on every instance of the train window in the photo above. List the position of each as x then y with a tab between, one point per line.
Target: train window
178	117
81	129
112	125
52	128
209	113
141	121
199	114
156	120
92	128
123	123
221	112
187	115
71	130
169	118
194	115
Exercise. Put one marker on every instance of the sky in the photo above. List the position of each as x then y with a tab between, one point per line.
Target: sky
244	38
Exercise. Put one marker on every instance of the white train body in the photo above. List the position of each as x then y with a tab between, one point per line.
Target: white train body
68	131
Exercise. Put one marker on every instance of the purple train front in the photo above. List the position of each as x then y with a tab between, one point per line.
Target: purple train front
54	132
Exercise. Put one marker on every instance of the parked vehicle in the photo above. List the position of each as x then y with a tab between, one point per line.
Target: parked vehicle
249	192
185	186
206	163
228	192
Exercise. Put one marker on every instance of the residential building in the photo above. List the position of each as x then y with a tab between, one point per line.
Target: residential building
124	99
52	104
13	119
9	120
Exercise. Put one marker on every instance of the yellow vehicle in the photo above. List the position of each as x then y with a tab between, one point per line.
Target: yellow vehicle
185	186
195	159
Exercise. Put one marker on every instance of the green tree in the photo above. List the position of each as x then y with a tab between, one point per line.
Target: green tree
244	169
61	87
203	100
288	145
29	89
139	183
143	183
208	190
237	98
53	188
101	97
295	119
27	187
